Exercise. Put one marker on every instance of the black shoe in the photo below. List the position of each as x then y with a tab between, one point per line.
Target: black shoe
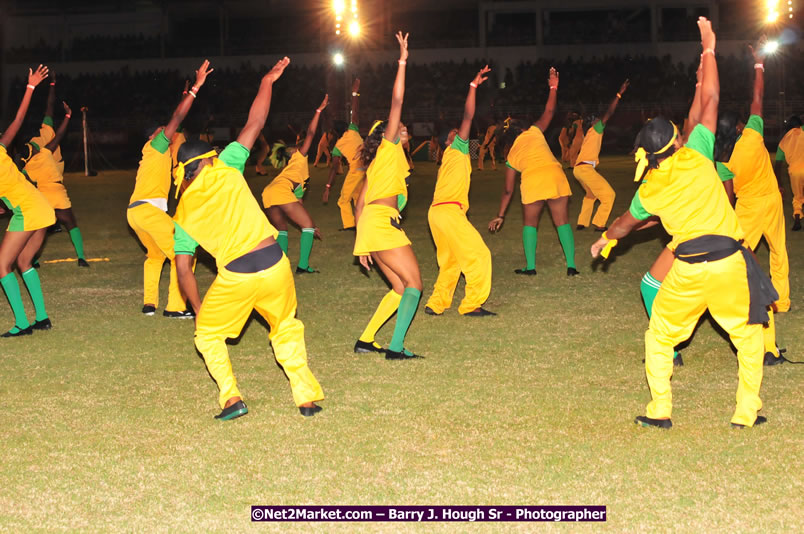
82	262
658	423
581	227
528	272
309	411
233	412
44	324
600	228
760	419
350	229
308	270
772	359
364	347
480	312
20	332
572	271
148	310
429	311
36	264
678	361
404	355
185	314
796	223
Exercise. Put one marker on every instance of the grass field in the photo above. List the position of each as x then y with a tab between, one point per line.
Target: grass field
108	422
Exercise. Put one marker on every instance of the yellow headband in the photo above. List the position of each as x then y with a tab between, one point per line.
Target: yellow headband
31	145
374	126
179	172
641	156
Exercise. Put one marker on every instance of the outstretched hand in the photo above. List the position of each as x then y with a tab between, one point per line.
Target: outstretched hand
323	103
759	51
624	86
202	73
480	77
552	78
365	261
67	110
708	39
495	224
36	77
278	69
403	45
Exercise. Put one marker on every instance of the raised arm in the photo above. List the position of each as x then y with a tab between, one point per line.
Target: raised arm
469	108
615	101
34	78
187	100
694	116
262	103
710	82
308	139
51	98
355	119
550	107
398	95
62	129
759	78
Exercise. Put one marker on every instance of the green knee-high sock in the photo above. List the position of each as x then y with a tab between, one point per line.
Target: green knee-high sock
404	315
282	239
567	243
649	287
78	243
31	279
530	237
306	246
12	289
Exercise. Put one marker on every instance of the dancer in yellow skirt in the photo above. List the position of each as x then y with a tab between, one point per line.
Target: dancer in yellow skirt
715	272
147	209
543	182
218	212
282	198
585	171
348	147
791	151
459	247
380	238
30	216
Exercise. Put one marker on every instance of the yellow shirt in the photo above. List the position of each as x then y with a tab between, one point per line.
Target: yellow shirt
750	163
348	146
592	141
46	135
791	150
297	170
387	174
218	211
454	175
687	194
42	168
531	156
153	174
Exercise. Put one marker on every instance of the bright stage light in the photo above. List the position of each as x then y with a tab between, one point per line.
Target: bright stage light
338	6
354	28
338	59
771	47
773	16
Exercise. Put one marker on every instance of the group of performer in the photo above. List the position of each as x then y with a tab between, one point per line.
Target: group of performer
690	180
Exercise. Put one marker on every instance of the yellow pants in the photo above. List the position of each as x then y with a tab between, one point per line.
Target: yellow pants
687	291
764	216
797	188
459	249
226	307
154	228
349	193
481	156
597	188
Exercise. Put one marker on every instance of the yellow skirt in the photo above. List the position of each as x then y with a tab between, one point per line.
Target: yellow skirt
544	184
278	192
32	213
56	195
379	229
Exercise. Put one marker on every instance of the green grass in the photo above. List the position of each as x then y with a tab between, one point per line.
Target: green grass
108	418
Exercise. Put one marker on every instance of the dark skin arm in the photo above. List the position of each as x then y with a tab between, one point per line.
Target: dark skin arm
710	81
624	225
356	101
759	80
550	107
508	192
728	185
398	95
34	78
187	281
469	107
262	103
187	101
51	98
694	116
334	165
614	102
308	139
62	129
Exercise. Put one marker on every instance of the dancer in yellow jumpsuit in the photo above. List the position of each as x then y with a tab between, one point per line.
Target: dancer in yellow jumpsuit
147	209
791	151
715	271
585	171
489	144
459	247
30	216
323	148
348	147
218	212
744	157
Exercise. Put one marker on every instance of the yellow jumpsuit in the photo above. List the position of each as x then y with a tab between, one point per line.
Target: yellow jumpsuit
687	195
489	144
147	216
288	186
459	247
596	187
44	172
542	175
791	150
348	146
29	209
218	212
759	203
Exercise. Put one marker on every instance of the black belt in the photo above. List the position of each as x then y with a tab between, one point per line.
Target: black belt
716	247
137	203
256	260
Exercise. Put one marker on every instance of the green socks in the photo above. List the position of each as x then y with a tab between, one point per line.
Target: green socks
307	236
649	287
404	316
78	243
282	239
529	239
567	243
31	279
12	289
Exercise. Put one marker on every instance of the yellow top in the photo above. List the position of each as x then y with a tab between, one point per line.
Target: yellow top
218	211
454	176
297	170
531	156
46	135
387	174
750	163
348	146
153	174
592	141
13	185
791	150
687	194
42	168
